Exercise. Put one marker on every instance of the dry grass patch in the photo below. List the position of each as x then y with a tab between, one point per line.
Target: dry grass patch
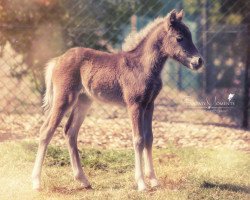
184	173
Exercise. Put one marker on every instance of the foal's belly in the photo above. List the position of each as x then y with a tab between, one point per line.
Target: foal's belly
107	93
103	87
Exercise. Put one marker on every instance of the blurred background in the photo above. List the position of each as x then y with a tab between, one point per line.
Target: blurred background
205	108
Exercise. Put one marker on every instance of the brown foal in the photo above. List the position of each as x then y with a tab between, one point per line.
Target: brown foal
130	78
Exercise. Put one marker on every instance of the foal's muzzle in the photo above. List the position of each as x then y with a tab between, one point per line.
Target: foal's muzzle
196	62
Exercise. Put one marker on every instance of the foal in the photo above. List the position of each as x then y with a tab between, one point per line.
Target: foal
131	78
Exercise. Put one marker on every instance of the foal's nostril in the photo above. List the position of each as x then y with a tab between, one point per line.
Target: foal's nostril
196	62
199	61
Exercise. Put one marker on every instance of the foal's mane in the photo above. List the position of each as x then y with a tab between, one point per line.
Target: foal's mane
135	38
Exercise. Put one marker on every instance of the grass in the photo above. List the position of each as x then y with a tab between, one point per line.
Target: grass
184	173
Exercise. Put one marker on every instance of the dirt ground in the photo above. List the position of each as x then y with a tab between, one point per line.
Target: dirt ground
107	126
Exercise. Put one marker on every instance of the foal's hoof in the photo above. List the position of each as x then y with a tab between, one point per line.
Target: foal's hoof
88	187
154	183
141	187
36	186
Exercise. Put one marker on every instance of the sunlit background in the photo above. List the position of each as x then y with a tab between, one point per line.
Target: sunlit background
215	98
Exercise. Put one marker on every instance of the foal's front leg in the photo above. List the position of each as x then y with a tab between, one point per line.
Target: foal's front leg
136	116
148	134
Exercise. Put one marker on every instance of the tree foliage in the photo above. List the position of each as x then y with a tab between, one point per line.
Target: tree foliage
42	29
220	11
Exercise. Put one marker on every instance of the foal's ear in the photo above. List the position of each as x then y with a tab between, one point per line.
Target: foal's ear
172	17
175	16
180	15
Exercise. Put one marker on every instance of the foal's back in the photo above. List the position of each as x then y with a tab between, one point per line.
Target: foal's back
97	73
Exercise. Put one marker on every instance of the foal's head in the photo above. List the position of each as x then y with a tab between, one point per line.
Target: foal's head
177	41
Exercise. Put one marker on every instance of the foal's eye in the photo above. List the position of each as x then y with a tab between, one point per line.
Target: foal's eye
179	38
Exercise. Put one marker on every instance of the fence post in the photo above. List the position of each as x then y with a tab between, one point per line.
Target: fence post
199	43
179	73
246	84
208	68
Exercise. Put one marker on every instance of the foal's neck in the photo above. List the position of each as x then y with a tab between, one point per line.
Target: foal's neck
150	53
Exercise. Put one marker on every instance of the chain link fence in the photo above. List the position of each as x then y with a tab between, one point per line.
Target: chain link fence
190	102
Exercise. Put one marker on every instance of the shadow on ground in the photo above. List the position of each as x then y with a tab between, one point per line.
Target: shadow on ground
69	191
226	186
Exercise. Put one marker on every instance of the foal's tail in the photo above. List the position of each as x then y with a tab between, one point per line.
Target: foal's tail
48	96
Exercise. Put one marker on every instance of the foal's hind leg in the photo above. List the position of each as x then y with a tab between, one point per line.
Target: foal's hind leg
71	132
60	106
